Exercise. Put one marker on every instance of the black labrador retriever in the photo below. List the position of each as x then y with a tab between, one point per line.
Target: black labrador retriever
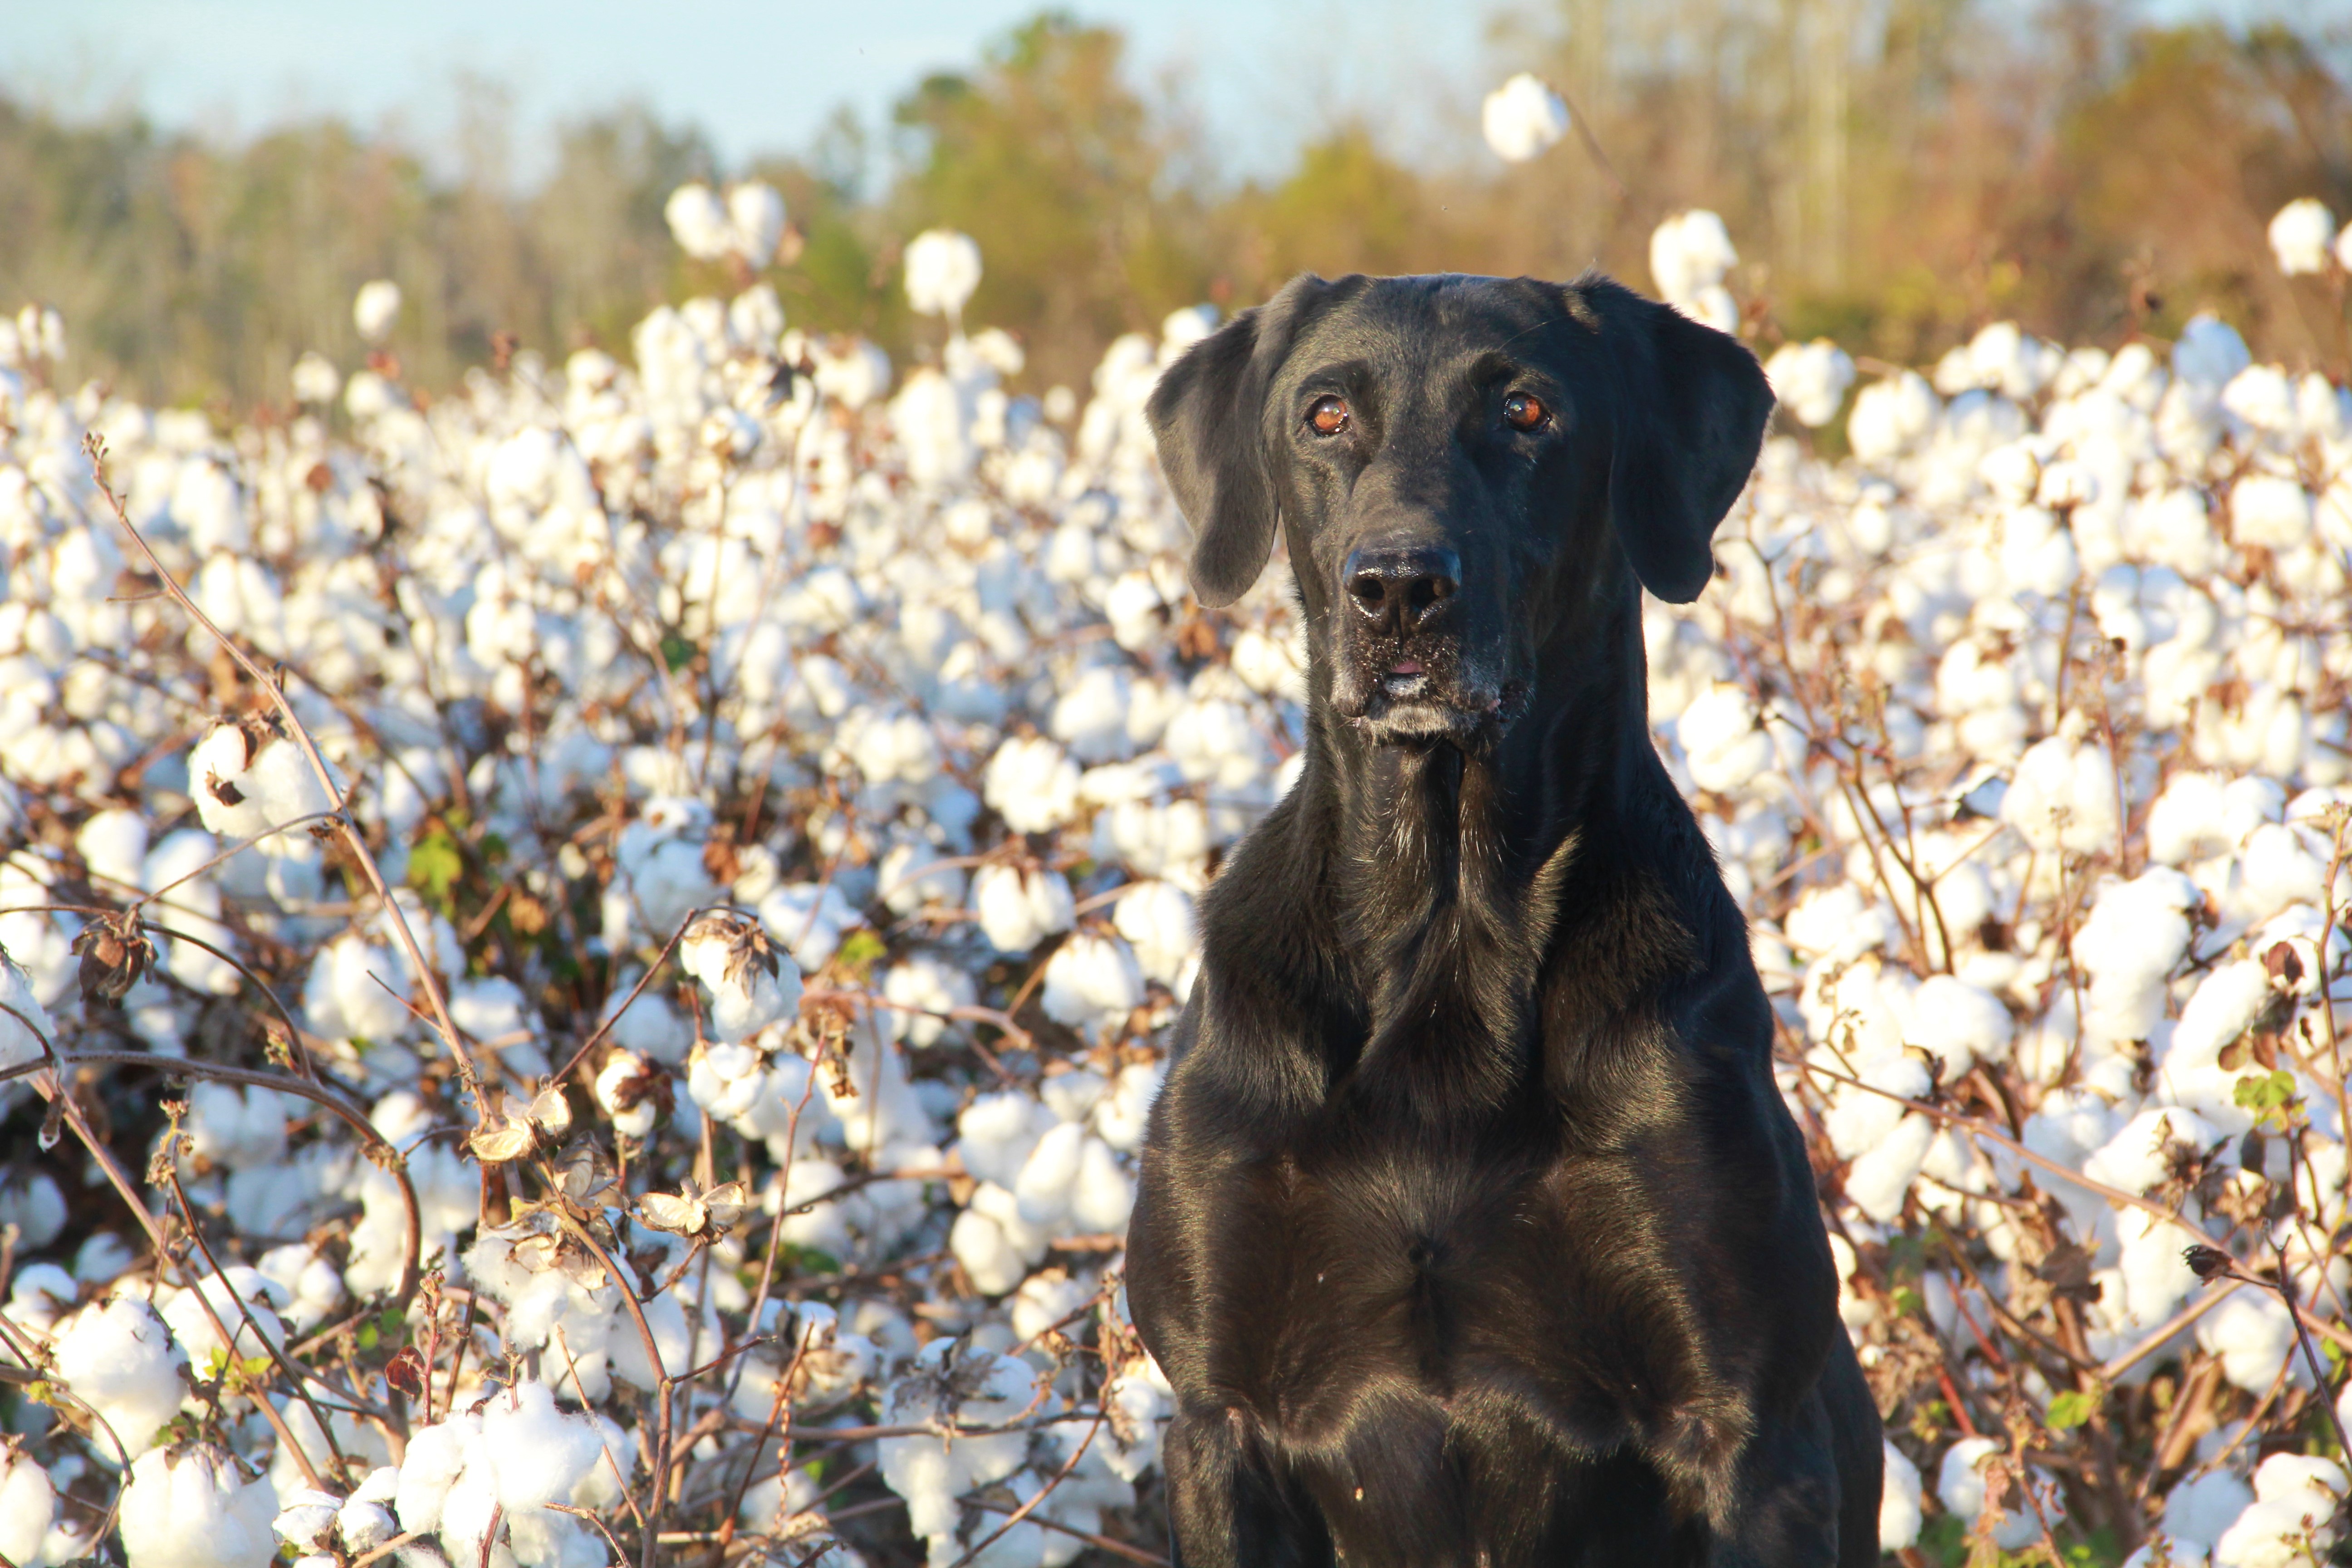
1472	1229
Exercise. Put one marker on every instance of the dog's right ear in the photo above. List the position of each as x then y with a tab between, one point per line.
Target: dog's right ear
1208	415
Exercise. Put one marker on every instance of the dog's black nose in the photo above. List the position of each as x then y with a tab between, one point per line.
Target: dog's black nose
1402	586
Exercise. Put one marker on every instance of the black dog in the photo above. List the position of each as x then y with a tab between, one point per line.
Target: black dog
1472	1229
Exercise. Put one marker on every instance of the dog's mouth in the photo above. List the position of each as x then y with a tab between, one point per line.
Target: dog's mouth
1421	698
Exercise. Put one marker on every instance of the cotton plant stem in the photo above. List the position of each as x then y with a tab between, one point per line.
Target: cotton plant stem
353	841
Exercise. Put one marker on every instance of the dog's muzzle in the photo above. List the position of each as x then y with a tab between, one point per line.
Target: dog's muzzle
1402	668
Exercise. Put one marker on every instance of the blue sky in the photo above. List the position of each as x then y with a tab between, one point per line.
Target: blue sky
755	77
1262	74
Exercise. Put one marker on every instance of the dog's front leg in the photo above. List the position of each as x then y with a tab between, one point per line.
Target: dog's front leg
1224	1508
1779	1507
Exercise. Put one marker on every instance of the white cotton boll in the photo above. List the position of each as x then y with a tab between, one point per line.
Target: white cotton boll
755	216
752	982
942	270
1102	1198
1126	1111
1898	1503
2136	933
1018	908
2187	821
29	1503
375	309
1892	417
121	1359
21	1015
1810	379
1090	717
306	1519
1960	1023
2209	351
2202	1507
2261	396
1720	738
697	220
2224	1006
1031	784
620	1082
435	1459
1093	982
2254	1336
1523	118
1159	920
194	1511
113	845
2062	798
1879	1179
242	1301
2270	510
2140	1156
2299	234
996	1134
923	988
989	1259
1690	253
315	380
539	1454
910	877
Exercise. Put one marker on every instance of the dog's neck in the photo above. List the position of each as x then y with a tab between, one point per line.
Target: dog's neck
1450	864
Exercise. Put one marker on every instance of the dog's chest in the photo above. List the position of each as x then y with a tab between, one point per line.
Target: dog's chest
1388	1272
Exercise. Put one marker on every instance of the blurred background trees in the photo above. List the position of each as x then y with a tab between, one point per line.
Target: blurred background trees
1895	171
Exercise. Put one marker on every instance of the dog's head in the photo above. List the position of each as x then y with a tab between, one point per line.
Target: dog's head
1452	459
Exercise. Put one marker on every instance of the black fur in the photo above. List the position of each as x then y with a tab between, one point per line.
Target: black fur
1472	1229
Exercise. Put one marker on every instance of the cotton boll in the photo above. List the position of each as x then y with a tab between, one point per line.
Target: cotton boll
620	1093
910	877
1879	1179
1101	1195
924	988
435	1459
2202	1507
191	1509
2209	351
1892	417
698	222
1092	982
752	983
240	1300
2185	822
539	1454
24	1022
1959	1023
755	217
1810	379
28	1504
1523	118
121	1359
2270	510
942	270
1690	253
1722	740
1017	908
989	1259
2062	798
2254	1336
1031	784
1122	1116
2299	236
375	309
1899	1504
1159	920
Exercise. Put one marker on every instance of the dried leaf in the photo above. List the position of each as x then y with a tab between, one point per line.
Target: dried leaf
406	1373
683	1214
551	1113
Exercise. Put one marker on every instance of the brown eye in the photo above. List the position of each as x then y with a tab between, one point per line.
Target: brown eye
1329	416
1521	412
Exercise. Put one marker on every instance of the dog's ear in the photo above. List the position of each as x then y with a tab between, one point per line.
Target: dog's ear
1208	414
1691	407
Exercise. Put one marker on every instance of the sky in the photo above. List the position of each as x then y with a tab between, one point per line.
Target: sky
757	78
1263	75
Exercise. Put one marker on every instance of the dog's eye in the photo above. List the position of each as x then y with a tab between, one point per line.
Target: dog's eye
1328	415
1521	412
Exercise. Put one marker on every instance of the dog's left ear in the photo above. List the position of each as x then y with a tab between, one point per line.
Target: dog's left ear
1691	407
1208	415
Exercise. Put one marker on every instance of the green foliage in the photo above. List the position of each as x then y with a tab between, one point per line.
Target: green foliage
2072	1409
435	862
2270	1096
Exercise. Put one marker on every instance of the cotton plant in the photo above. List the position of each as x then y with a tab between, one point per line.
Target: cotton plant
794	781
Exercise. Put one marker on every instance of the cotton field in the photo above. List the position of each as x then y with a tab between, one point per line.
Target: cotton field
590	990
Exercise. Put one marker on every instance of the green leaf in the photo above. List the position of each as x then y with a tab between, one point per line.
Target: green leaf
2071	1409
1908	1302
367	1337
435	864
2261	1092
861	949
810	1260
676	652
